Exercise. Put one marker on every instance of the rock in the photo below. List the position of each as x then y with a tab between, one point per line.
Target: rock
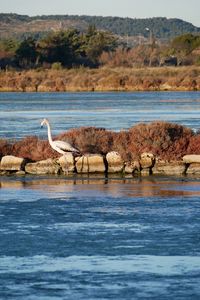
132	167
115	162
194	168
147	160
12	163
129	169
48	166
191	158
169	168
91	163
145	172
4	173
20	173
67	163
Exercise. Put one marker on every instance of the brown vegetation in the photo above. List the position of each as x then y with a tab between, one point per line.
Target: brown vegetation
167	141
102	79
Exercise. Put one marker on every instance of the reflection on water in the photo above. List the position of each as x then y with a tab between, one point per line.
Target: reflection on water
138	186
99	238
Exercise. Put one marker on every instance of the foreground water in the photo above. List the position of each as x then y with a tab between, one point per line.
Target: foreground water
21	113
97	238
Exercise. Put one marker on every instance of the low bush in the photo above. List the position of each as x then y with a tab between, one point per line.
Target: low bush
5	147
165	140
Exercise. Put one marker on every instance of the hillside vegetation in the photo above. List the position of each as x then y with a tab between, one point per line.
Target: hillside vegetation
95	48
162	28
95	60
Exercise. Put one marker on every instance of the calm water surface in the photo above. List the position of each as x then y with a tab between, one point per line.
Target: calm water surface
98	238
21	113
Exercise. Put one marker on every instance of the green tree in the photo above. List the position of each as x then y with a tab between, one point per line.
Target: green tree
9	45
62	46
97	42
185	43
26	54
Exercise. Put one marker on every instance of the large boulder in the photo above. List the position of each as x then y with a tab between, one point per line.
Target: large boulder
168	167
49	166
115	162
193	169
191	158
91	163
67	163
12	163
147	160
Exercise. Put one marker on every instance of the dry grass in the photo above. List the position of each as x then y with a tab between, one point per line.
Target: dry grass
102	79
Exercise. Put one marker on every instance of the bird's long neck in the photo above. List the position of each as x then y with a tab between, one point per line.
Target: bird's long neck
49	133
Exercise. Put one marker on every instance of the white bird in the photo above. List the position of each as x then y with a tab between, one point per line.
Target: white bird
59	146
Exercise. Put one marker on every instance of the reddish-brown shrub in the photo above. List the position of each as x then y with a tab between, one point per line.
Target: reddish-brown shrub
194	145
89	139
165	140
32	148
5	147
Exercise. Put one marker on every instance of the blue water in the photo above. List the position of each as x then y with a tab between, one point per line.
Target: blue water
21	113
93	237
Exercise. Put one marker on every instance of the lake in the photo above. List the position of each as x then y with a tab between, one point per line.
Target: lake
95	237
21	113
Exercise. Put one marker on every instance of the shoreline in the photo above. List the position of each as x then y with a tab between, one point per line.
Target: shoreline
102	80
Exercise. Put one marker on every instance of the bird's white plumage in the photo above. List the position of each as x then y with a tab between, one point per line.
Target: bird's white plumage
59	146
64	146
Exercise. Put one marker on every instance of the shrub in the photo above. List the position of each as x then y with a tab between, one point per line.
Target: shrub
165	140
5	147
32	148
89	139
194	144
56	66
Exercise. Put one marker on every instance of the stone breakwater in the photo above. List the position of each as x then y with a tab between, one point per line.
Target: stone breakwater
112	162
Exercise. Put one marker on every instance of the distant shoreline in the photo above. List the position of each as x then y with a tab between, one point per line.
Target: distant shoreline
102	79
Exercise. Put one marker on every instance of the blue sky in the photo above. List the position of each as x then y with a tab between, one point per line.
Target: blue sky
188	10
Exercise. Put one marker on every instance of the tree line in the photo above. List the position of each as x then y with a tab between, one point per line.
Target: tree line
69	48
94	48
163	28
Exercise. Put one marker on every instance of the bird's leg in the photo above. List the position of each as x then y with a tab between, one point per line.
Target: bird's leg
67	166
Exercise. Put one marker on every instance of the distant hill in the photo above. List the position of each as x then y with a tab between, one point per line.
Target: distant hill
162	28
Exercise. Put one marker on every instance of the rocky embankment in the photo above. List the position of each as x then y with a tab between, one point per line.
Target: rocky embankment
111	163
102	79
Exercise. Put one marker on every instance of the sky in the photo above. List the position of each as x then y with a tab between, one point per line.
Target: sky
188	10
